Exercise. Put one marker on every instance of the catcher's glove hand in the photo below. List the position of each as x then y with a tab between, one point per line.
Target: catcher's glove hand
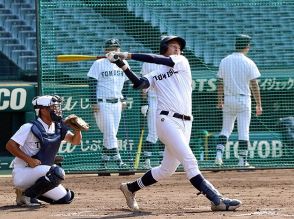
76	123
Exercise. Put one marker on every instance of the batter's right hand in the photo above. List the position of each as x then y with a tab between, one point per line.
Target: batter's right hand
112	57
122	55
32	162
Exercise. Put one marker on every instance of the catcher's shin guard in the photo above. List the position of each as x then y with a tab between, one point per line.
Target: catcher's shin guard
45	183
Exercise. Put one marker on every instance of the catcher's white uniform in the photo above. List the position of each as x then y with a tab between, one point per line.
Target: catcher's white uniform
24	176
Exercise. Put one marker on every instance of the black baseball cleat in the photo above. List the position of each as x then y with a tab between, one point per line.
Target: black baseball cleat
226	204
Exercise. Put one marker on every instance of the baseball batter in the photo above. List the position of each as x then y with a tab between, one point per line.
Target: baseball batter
172	83
237	75
149	111
106	83
35	145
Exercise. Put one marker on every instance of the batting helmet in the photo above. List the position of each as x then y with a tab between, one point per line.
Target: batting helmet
111	43
242	41
164	43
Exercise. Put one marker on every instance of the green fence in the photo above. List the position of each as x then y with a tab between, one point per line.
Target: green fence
209	27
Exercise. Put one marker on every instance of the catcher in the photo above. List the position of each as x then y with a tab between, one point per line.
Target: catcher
35	145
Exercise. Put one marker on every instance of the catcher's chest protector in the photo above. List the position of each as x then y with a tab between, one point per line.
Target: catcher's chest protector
49	143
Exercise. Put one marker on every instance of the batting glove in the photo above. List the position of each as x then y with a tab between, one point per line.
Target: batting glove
122	55
144	110
112	57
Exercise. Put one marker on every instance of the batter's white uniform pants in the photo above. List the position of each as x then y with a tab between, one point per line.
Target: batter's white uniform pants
25	177
108	119
151	120
175	134
237	107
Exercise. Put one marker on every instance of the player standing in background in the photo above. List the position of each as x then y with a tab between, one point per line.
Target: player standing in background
173	86
106	82
35	146
237	75
149	109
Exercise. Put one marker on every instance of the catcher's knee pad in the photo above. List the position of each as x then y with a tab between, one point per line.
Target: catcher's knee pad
55	174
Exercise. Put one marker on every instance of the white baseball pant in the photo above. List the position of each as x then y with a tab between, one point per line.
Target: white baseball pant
151	120
175	134
237	107
25	177
108	119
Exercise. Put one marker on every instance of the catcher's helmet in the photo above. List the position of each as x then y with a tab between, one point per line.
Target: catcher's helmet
111	43
45	101
52	102
242	41
164	43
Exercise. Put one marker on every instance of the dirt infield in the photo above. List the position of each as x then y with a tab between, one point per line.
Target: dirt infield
265	194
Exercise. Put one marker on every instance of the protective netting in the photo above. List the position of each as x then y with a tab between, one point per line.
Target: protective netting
209	28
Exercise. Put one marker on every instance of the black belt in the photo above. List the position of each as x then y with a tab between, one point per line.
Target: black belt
108	100
176	115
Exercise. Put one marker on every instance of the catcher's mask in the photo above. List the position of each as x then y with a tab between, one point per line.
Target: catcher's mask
53	103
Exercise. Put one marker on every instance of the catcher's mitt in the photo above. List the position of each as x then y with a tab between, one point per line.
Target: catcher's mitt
76	123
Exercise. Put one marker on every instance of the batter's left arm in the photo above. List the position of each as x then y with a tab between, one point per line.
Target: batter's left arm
150	58
138	83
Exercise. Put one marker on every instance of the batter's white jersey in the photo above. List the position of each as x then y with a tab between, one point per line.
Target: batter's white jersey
237	70
147	68
152	103
173	86
110	79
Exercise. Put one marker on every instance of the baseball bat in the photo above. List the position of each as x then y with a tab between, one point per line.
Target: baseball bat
138	154
77	58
